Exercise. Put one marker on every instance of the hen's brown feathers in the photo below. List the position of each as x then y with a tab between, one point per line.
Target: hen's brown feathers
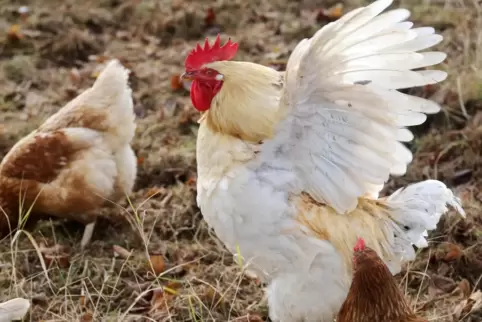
45	170
77	116
374	295
40	158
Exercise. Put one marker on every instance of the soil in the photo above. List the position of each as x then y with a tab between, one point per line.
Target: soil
159	261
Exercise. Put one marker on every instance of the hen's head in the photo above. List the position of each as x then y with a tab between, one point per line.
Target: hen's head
206	81
363	254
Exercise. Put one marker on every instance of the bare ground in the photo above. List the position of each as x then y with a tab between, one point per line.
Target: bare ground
53	53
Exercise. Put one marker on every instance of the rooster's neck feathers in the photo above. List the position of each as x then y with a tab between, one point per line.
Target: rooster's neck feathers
247	106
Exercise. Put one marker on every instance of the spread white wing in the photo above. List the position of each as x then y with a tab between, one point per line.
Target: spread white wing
346	118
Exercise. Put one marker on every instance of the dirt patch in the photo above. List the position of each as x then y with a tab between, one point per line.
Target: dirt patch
53	53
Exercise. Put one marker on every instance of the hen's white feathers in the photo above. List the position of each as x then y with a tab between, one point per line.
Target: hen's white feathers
14	309
346	118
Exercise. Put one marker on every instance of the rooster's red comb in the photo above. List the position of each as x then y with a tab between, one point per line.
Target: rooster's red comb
207	54
360	245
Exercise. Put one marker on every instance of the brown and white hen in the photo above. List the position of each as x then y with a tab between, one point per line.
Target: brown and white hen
77	160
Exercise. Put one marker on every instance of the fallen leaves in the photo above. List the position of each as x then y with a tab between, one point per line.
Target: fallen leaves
57	254
210	17
87	317
176	83
469	305
464	288
157	264
331	14
160	301
454	253
154	191
14	33
140	160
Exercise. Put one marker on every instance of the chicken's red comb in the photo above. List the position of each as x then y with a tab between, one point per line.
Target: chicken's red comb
200	56
360	245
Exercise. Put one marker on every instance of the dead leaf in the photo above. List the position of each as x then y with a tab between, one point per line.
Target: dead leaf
210	17
14	33
173	285
160	301
454	253
154	191
464	287
429	90
87	317
472	304
57	253
176	83
157	263
62	260
331	14
191	181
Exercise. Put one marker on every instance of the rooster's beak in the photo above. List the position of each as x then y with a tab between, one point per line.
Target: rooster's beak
187	76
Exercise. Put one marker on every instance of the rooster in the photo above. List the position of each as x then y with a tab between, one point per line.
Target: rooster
75	161
374	295
290	165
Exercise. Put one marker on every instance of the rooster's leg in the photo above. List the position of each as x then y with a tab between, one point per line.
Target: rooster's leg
88	231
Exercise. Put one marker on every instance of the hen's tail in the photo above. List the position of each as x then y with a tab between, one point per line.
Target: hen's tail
112	87
105	107
414	210
14	309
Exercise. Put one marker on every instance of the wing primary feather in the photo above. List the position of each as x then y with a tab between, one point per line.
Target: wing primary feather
341	94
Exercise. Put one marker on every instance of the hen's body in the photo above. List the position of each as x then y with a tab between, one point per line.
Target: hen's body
79	158
374	295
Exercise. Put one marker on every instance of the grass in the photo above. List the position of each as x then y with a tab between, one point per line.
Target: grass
161	262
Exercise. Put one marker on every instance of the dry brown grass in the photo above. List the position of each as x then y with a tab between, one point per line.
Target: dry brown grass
113	279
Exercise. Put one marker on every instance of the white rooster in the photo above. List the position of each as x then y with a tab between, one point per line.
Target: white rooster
290	166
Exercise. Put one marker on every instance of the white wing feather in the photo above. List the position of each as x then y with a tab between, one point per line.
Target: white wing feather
14	309
346	118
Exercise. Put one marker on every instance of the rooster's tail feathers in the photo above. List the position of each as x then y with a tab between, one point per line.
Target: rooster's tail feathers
415	209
